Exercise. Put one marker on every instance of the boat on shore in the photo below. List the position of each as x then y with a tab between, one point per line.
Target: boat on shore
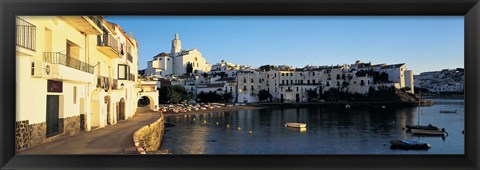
296	125
409	145
448	111
429	132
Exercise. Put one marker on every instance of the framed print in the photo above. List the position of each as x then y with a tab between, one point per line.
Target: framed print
235	85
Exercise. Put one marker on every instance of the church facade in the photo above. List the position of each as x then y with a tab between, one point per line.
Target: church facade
175	62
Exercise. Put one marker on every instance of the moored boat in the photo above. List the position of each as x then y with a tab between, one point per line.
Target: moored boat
428	127
409	144
429	132
296	125
448	111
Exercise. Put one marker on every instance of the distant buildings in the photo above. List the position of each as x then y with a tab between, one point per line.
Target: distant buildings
444	81
177	61
285	83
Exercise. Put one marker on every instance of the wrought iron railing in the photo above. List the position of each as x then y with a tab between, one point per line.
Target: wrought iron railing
26	33
59	58
109	41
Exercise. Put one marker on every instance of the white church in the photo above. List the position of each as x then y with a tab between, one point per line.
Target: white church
176	61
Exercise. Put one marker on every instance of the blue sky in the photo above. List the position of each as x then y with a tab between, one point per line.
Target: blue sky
425	43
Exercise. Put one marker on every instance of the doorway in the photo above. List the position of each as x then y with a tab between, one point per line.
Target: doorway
121	110
52	115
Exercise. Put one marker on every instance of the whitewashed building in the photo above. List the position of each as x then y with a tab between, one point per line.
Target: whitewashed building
176	61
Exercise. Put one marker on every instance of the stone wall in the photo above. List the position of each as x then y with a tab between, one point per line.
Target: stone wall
28	135
149	138
22	134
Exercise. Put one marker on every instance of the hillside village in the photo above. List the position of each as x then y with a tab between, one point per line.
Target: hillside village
246	84
442	82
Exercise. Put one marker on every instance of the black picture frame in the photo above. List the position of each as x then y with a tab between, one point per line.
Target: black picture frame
470	9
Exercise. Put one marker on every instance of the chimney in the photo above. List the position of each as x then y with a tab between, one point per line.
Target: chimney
130	34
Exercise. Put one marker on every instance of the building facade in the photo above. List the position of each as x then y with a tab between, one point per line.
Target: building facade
74	73
288	84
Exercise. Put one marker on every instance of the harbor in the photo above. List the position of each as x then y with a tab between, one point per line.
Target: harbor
328	131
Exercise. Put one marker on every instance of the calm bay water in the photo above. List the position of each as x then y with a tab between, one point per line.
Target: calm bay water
329	130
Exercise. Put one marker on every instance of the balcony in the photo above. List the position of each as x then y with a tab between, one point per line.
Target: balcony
108	45
63	67
26	35
59	58
90	25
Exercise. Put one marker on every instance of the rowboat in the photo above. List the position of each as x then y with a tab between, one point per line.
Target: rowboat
296	125
448	111
429	132
409	144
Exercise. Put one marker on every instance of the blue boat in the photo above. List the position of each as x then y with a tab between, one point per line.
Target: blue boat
409	145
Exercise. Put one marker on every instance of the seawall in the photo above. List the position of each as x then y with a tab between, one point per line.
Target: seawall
149	137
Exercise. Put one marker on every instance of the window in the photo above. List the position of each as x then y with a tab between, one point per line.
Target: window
123	72
297	88
313	81
252	88
313	73
308	81
283	81
160	58
197	64
32	72
74	94
283	74
291	81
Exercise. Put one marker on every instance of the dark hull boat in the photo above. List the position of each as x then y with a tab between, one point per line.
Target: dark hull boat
409	145
428	127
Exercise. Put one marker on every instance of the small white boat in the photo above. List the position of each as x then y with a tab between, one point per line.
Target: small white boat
429	132
296	125
448	111
347	106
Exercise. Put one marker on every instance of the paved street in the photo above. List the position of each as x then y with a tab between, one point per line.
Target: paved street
114	139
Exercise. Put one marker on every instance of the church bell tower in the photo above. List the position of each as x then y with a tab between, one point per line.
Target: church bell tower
176	45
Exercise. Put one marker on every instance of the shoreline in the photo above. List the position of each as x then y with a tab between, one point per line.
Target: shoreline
222	109
296	105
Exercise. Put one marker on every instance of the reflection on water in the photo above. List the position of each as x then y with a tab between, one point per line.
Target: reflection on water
330	130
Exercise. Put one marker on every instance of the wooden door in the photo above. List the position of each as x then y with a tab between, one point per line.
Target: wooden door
52	114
